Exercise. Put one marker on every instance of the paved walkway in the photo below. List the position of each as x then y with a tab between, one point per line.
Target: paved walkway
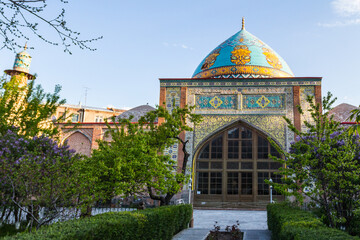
253	223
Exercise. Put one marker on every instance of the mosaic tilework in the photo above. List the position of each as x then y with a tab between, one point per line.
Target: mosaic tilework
263	102
244	53
274	93
189	136
242	71
273	125
216	102
172	99
172	151
290	137
22	61
210	60
219	83
304	92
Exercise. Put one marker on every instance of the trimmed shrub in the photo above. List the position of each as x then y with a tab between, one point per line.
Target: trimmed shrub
159	223
290	223
354	228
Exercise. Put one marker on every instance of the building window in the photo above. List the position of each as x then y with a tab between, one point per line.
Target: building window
99	119
216	148
246	183
233	183
75	117
263	148
235	163
263	188
216	183
203	183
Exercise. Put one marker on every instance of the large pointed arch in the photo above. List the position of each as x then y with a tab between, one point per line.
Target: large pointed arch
230	166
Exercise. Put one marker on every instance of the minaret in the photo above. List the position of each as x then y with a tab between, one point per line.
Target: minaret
20	71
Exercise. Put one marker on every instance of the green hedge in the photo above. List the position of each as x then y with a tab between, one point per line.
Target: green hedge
158	223
289	223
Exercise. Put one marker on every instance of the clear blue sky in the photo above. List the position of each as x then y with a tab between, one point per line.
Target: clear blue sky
146	40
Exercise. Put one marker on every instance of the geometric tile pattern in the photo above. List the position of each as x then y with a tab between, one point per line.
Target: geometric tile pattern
216	102
235	82
272	125
172	99
304	93
172	151
263	102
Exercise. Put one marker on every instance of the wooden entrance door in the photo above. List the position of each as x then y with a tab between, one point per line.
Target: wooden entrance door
232	167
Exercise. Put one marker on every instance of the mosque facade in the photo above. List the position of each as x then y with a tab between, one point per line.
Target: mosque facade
243	89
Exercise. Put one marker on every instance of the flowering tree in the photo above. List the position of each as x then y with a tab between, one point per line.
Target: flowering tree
323	166
37	179
38	176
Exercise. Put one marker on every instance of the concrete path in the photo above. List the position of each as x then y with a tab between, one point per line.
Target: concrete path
254	223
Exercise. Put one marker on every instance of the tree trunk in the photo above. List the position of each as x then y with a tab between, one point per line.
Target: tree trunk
166	200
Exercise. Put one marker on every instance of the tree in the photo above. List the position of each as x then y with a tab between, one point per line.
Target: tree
355	116
21	18
28	108
323	166
38	176
165	135
133	163
37	179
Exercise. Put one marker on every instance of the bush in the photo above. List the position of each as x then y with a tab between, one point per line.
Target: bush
354	228
159	223
290	223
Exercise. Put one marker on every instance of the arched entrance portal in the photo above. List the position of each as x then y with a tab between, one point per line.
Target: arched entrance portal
231	168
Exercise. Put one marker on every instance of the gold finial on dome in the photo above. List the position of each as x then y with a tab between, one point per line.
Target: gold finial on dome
243	24
25	47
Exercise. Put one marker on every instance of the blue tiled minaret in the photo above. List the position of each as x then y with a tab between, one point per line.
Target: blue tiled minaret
21	68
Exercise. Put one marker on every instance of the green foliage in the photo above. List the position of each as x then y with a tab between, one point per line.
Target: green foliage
28	108
8	230
291	223
132	162
37	174
355	116
159	223
354	228
323	166
39	178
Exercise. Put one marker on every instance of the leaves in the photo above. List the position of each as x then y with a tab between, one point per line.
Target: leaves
133	162
28	108
323	165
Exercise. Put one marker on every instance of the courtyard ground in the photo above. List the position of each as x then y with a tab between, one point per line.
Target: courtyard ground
254	223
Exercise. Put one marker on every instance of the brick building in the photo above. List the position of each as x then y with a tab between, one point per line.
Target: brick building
82	136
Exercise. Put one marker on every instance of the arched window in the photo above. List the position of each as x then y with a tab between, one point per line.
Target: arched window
233	166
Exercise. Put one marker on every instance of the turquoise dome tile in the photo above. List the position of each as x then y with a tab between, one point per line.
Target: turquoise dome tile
243	54
22	61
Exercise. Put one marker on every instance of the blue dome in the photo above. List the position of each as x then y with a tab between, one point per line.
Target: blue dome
243	56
